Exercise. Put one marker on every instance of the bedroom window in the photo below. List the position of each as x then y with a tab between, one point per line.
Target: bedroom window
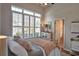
17	24
26	23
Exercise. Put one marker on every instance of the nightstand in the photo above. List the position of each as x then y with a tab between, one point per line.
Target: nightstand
3	45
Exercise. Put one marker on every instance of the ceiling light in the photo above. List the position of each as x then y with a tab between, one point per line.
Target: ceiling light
45	3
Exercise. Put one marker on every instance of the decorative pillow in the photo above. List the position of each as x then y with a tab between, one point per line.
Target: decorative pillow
17	37
25	44
16	48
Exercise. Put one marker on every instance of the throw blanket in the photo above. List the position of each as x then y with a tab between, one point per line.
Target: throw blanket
47	45
36	51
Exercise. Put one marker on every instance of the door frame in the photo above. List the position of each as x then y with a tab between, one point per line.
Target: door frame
62	31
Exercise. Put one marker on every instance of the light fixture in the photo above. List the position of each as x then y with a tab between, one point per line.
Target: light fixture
3	37
46	27
45	3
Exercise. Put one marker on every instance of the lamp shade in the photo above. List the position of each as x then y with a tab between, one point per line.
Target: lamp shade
3	37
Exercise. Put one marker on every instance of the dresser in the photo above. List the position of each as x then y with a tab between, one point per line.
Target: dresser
75	45
3	45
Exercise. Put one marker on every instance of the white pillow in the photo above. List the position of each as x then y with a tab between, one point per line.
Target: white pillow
17	49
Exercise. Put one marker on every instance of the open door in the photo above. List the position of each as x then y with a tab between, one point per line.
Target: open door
59	33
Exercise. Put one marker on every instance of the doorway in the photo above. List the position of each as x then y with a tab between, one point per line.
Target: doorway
59	33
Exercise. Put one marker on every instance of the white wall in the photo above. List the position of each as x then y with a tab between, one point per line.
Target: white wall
31	6
7	18
68	12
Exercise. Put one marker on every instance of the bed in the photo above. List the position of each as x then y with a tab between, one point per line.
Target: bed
47	45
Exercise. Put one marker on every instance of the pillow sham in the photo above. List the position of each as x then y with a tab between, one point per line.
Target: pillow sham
25	44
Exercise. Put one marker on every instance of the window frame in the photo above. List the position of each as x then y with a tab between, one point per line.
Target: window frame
23	14
15	25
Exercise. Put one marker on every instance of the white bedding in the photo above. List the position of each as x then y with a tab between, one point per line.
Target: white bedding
18	50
